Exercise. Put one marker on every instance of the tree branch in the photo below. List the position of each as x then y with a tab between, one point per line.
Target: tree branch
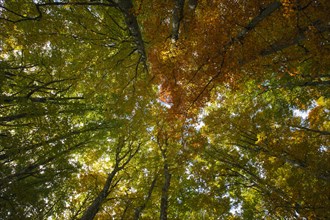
280	45
313	130
259	18
40	5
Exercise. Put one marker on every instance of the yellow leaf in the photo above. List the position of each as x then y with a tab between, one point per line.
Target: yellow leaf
261	136
320	101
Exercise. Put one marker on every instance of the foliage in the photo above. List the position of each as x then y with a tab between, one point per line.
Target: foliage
121	109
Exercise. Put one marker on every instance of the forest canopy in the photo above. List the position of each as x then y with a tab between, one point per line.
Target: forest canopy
164	109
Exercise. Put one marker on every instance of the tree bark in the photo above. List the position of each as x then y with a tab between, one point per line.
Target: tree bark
126	7
139	209
177	17
240	37
15	117
306	84
167	177
272	7
65	136
33	168
10	99
92	210
40	5
313	130
192	4
10	118
165	189
280	45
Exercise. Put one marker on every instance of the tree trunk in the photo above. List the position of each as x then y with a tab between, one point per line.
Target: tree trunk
177	17
92	210
165	189
139	209
126	6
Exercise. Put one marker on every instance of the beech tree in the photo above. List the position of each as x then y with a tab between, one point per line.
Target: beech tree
121	109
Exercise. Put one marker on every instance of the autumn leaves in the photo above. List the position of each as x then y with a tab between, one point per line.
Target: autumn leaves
86	132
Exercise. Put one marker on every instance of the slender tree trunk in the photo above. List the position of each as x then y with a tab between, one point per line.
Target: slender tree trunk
126	6
256	20
139	209
272	7
121	162
316	83
300	37
33	168
165	189
9	99
92	210
64	136
177	17
41	114
14	117
313	130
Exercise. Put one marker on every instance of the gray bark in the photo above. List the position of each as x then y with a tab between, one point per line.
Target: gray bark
139	209
280	45
165	189
192	4
15	117
166	185
10	118
10	99
240	37
313	130
92	210
177	17
256	20
126	7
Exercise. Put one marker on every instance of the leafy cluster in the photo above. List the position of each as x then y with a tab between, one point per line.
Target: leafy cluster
121	109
